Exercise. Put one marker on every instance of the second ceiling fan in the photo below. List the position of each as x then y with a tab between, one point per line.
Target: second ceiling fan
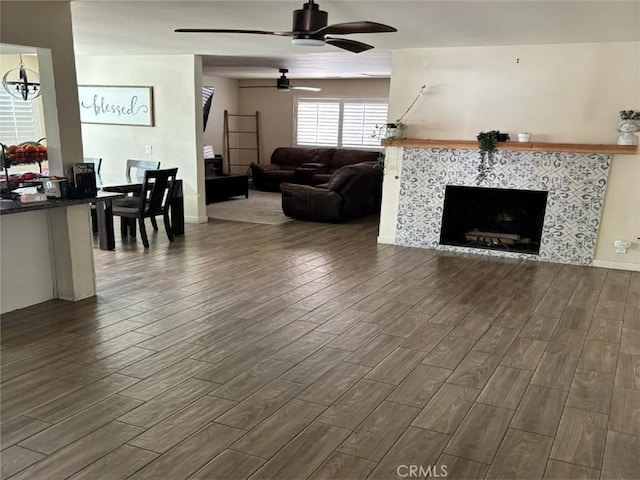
283	84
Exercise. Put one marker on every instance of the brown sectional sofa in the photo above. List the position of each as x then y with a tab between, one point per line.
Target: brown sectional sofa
287	165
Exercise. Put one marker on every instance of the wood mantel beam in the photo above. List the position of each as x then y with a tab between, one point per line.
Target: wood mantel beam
528	146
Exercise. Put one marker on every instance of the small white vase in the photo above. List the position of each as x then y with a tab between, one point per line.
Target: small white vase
393	131
627	128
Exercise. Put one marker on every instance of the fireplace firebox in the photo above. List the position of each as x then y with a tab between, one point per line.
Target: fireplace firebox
493	218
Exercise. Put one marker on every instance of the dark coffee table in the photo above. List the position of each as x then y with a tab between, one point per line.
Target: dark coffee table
222	187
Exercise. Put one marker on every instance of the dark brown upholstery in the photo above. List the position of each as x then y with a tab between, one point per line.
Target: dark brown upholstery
353	190
285	160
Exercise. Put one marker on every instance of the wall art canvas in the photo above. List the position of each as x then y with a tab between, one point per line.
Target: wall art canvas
116	105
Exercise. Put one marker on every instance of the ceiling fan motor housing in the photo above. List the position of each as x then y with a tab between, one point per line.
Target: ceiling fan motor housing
283	83
309	19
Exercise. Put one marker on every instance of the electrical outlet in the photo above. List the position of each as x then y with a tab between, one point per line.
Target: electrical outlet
147	149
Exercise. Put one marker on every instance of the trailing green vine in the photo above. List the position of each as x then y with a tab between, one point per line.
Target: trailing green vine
487	148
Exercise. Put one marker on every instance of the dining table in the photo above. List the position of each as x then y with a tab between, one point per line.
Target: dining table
130	185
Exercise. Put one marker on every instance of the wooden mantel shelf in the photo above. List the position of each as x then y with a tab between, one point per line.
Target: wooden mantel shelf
534	146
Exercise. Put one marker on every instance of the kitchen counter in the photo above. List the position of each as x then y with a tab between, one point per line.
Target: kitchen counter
8	207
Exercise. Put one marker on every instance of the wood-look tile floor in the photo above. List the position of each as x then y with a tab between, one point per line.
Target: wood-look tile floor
309	351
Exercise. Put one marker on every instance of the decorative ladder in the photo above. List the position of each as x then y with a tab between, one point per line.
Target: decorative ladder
245	127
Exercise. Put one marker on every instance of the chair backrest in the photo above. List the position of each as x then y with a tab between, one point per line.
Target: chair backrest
157	191
97	162
140	166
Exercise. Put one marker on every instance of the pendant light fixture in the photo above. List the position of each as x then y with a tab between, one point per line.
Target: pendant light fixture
19	85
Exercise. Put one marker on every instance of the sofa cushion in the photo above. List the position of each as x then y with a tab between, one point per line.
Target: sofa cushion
345	174
295	157
323	155
283	174
343	157
320	178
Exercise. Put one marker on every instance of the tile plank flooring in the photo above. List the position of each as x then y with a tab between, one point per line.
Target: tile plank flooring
307	350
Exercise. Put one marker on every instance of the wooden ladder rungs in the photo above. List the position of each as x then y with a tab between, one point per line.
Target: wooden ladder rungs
227	132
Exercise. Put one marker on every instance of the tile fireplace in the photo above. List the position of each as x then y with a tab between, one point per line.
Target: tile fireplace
562	197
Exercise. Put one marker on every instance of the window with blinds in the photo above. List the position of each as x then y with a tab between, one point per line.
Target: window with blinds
339	122
18	120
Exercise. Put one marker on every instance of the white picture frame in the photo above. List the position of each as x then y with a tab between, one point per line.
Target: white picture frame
116	105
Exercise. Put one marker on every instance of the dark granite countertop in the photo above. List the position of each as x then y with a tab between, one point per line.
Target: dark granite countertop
14	206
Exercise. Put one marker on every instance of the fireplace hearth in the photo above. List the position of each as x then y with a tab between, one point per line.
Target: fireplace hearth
491	218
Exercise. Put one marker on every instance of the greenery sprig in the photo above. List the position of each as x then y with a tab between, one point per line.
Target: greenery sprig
629	115
487	148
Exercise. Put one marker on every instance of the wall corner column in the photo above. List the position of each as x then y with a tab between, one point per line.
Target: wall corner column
390	195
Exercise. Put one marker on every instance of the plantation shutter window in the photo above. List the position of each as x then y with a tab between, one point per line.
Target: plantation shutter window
359	122
18	120
339	122
317	123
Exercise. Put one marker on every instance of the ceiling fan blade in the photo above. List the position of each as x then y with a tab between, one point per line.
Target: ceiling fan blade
306	89
354	27
347	44
257	86
227	30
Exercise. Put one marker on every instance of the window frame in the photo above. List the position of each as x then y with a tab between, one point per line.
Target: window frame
341	101
36	119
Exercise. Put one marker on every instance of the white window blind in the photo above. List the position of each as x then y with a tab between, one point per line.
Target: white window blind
18	120
317	122
339	122
359	122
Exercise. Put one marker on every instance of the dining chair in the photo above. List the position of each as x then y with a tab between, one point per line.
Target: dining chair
139	167
158	189
97	163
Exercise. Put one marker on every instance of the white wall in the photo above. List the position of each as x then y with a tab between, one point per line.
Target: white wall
47	26
177	137
559	93
26	270
276	108
224	98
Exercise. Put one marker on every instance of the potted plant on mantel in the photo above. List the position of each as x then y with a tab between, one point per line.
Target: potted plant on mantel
395	129
487	148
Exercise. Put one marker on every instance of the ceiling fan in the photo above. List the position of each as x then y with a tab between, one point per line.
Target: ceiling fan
310	28
283	84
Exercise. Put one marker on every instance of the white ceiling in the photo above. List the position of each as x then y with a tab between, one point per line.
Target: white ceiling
103	27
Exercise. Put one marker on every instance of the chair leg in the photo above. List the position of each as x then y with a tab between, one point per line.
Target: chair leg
132	227
167	226
123	226
143	233
154	223
94	221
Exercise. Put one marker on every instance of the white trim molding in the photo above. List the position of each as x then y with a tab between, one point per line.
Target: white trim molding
634	267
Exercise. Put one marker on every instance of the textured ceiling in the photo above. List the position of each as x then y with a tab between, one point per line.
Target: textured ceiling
107	27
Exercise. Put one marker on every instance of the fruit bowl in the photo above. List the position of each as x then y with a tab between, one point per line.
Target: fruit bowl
26	152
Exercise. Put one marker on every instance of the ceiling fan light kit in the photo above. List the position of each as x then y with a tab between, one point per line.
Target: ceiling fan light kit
308	42
310	28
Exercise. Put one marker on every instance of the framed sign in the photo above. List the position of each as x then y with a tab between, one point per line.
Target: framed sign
116	105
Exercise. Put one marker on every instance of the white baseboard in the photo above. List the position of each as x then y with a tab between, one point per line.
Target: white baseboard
203	219
386	239
634	267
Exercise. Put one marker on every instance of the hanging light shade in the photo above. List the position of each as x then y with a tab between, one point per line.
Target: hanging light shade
22	82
